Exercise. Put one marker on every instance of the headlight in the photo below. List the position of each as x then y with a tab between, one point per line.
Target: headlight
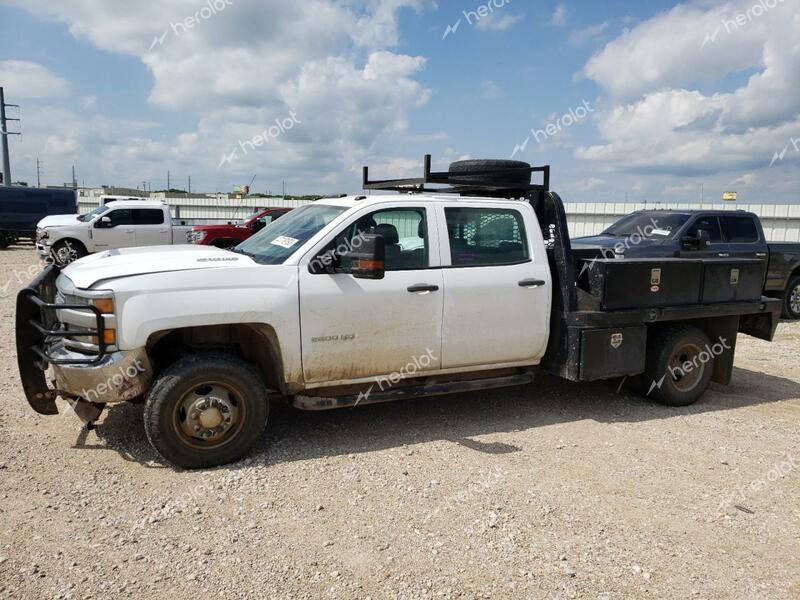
42	234
196	237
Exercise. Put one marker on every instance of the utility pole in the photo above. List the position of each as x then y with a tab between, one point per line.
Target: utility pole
4	133
38	172
168	179
190	184
74	180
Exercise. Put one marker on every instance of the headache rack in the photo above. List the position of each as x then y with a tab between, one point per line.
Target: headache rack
461	182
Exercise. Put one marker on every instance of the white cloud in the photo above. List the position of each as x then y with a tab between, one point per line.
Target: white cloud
89	102
490	90
654	117
588	34
559	17
498	23
25	79
244	66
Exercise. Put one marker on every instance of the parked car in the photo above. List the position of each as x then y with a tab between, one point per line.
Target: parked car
327	309
21	208
118	224
704	234
231	234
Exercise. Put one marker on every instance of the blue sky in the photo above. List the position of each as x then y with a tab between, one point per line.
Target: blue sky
645	100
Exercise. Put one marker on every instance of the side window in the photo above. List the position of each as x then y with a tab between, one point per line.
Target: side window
405	234
709	224
121	216
147	216
486	236
740	230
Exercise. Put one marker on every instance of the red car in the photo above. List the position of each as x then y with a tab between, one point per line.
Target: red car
230	235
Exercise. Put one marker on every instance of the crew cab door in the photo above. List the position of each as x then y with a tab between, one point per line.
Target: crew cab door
718	248
743	237
497	285
152	226
117	233
361	328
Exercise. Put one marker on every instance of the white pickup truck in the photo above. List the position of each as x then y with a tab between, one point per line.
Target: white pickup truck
116	224
327	308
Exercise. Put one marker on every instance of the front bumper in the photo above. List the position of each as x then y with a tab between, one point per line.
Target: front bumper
99	377
118	377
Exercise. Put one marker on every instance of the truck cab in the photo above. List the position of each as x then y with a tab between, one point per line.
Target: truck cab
230	234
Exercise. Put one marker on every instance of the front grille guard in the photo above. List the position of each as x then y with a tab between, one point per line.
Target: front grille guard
36	327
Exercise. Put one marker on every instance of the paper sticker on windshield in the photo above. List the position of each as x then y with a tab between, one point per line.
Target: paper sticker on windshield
284	241
661	232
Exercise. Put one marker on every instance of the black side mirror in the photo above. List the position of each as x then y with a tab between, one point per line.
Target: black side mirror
366	259
103	223
699	241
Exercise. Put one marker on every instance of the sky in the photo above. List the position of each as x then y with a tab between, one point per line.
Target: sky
644	100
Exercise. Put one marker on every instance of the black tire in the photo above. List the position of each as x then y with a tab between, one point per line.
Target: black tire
5	242
521	178
180	399
791	299
668	378
65	252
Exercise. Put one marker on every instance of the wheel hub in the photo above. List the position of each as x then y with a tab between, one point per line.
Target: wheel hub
209	413
794	300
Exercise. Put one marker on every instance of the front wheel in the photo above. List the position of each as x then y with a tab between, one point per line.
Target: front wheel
679	365
66	252
205	411
791	299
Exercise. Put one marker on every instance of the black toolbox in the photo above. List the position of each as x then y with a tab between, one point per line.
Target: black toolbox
645	282
733	280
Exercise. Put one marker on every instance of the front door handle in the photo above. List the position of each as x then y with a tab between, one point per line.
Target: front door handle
531	283
130	230
423	287
723	255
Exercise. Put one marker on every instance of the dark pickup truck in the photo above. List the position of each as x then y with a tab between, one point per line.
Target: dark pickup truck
702	234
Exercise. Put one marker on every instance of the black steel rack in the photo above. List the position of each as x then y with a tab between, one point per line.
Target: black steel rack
460	182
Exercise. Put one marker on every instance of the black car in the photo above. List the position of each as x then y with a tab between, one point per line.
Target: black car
21	208
702	234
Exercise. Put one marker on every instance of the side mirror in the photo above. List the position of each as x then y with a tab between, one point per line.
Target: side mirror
103	223
258	225
699	241
367	260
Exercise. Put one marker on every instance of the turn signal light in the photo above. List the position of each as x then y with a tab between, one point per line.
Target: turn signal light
109	337
106	305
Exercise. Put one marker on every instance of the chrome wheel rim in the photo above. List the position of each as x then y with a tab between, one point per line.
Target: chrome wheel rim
686	378
65	254
209	415
794	300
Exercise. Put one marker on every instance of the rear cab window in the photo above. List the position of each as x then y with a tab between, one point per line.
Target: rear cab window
739	230
486	236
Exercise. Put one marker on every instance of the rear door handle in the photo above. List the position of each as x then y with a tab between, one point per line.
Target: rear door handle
423	287
531	283
130	230
723	255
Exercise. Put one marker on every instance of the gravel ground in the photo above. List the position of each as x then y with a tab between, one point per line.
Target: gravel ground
552	490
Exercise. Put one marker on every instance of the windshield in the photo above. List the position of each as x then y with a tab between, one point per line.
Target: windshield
91	215
280	239
649	225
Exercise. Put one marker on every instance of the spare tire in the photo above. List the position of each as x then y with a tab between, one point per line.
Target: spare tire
469	171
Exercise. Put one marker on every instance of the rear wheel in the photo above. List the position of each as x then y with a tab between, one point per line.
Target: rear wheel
679	365
205	411
791	299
